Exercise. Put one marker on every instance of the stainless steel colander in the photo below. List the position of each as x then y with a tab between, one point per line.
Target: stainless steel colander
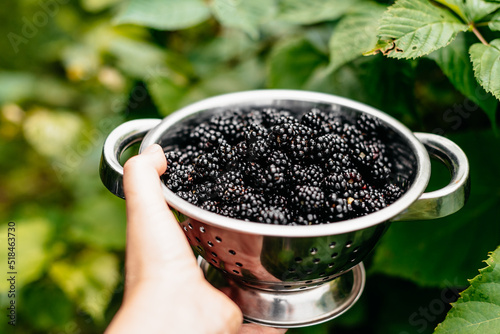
293	276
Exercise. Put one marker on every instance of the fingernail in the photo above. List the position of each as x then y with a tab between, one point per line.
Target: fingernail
152	149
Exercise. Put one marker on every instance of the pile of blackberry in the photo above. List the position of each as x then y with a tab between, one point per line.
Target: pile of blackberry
270	167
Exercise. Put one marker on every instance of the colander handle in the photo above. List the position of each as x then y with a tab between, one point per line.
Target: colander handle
121	138
450	198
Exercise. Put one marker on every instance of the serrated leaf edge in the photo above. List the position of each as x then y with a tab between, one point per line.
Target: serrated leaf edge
476	65
490	264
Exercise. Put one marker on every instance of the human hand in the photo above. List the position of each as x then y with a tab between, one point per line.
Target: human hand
165	290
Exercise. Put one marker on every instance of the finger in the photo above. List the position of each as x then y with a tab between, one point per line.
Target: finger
258	329
155	242
141	177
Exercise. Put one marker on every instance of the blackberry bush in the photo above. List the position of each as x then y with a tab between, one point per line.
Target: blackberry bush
270	167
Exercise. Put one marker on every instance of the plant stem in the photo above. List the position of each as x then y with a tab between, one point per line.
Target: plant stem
478	34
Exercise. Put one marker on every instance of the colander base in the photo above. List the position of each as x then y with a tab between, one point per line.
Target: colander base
290	309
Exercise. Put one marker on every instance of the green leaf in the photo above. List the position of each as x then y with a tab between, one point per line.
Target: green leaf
494	23
354	34
88	280
244	15
97	5
36	296
52	133
166	93
169	95
456	6
108	231
417	27
470	10
33	249
164	14
291	64
445	251
478	308
313	11
455	64
248	75
16	86
381	82
486	62
476	10
136	58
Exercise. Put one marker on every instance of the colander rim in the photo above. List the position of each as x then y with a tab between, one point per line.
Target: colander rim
422	172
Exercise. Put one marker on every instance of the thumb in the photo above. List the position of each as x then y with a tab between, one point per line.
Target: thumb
156	244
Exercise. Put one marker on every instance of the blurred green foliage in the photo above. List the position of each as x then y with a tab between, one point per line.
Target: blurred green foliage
71	71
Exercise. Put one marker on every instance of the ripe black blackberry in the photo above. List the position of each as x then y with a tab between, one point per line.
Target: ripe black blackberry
270	167
210	205
250	205
268	177
258	150
230	124
391	193
309	175
273	215
308	199
188	196
314	119
368	124
323	147
206	167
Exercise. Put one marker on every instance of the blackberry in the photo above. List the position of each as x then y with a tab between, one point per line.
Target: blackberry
210	205
331	127
380	172
269	177
337	162
311	175
230	177
272	116
308	199
391	193
172	157
352	135
250	205
368	124
188	196
205	191
314	119
282	135
231	193
308	219
229	124
270	167
362	155
226	153
338	208
323	147
258	150
278	201
188	155
334	183
254	132
273	215
178	177
206	167
280	160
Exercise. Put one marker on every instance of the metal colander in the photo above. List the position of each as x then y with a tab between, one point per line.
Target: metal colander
292	276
